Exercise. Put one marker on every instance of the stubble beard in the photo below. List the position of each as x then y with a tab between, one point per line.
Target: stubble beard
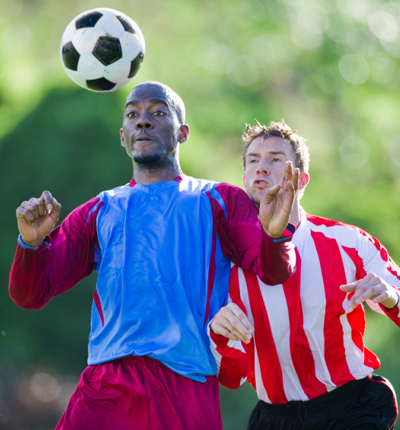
151	161
148	161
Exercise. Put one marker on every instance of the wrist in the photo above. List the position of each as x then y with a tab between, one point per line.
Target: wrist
29	244
391	302
271	234
211	329
286	234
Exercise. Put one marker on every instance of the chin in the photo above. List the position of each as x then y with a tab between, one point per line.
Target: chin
148	160
257	197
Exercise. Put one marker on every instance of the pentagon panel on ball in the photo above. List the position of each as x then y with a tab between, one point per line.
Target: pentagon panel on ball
102	49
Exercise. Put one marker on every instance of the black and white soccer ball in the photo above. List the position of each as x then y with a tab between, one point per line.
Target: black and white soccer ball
102	49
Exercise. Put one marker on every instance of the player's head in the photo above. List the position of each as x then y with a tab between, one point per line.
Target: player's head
153	124
266	149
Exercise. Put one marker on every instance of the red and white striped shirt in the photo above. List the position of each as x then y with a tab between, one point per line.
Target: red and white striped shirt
307	340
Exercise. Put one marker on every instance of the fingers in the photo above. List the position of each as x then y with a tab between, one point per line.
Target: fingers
55	210
232	323
365	292
287	174
348	288
24	214
361	291
37	217
47	199
291	192
382	297
296	179
371	287
35	208
270	194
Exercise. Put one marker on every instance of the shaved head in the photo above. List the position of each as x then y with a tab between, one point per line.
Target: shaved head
160	92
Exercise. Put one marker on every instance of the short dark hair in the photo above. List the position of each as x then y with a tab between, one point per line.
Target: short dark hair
172	97
278	129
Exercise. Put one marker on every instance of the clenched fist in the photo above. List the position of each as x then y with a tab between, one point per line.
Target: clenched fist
37	217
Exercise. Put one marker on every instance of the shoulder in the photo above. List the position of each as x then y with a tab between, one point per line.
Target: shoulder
81	217
115	193
89	210
231	192
343	232
188	183
326	222
236	204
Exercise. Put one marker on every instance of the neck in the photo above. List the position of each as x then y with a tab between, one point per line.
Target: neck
156	173
295	214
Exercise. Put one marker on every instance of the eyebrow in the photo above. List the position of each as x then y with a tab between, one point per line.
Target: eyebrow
153	101
255	154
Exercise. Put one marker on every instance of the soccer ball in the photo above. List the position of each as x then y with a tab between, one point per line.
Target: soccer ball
102	49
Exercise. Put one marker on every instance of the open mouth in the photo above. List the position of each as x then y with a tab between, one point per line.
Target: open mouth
261	182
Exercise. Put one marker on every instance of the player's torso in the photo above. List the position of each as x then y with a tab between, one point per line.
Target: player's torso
156	250
315	336
158	227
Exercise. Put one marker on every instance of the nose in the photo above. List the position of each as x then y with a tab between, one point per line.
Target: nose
262	167
144	121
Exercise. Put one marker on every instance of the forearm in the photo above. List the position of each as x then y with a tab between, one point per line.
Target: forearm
393	312
29	285
231	359
244	241
275	262
65	257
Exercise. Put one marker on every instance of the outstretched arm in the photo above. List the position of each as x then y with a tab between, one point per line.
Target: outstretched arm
277	203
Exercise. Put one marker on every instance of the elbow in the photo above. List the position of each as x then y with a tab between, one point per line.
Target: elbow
282	267
24	300
282	276
230	378
229	383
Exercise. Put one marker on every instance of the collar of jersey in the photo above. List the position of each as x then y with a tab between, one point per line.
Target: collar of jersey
179	178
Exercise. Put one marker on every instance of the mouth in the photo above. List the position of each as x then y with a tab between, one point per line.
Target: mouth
143	139
261	183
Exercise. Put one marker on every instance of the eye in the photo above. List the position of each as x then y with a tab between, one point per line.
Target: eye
159	113
275	160
131	114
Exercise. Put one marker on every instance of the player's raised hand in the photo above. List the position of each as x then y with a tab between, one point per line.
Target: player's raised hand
231	322
37	217
371	287
277	203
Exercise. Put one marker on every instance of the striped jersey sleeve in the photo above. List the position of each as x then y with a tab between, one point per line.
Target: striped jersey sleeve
230	355
66	256
365	254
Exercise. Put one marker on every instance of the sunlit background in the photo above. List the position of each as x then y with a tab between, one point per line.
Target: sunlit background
329	68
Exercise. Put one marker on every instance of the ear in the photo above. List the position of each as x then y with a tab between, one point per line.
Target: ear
183	133
304	180
243	180
121	133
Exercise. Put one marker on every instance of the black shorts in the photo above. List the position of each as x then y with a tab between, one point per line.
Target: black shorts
366	404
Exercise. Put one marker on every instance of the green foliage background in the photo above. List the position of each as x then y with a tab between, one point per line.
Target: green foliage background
329	68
